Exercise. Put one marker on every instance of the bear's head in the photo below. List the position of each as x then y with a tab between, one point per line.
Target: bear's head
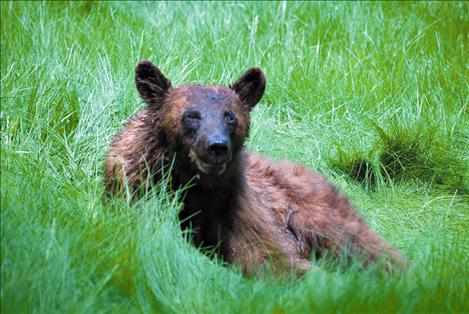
207	124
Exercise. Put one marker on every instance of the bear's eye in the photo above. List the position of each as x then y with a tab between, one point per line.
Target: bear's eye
229	117
192	115
191	119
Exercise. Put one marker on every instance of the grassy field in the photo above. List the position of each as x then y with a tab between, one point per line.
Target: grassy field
374	95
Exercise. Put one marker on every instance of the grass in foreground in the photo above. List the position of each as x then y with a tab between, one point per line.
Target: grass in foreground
386	83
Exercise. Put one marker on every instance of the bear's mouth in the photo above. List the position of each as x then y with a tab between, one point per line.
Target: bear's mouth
209	168
206	167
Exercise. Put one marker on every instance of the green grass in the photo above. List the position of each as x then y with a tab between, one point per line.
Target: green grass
374	95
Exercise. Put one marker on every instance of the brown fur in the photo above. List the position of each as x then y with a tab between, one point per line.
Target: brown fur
256	210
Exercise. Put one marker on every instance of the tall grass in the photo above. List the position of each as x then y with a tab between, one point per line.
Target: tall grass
374	95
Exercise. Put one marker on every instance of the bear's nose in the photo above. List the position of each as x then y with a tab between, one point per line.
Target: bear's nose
218	147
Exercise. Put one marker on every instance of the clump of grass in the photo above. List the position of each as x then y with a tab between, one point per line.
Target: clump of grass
357	165
421	153
407	152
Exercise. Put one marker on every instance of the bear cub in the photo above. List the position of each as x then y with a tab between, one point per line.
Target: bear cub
252	209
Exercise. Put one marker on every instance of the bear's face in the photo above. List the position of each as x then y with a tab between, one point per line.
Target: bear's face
207	123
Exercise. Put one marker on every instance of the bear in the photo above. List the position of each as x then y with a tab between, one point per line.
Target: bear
254	211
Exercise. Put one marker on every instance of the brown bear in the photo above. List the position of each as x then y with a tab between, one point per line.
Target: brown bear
252	209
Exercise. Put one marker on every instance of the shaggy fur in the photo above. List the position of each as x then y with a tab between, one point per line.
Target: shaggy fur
252	209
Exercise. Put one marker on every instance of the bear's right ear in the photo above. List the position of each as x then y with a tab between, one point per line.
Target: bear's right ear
250	87
151	83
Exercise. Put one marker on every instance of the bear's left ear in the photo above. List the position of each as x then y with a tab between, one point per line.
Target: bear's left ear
151	83
250	87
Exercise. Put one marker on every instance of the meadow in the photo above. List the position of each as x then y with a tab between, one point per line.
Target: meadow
373	95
